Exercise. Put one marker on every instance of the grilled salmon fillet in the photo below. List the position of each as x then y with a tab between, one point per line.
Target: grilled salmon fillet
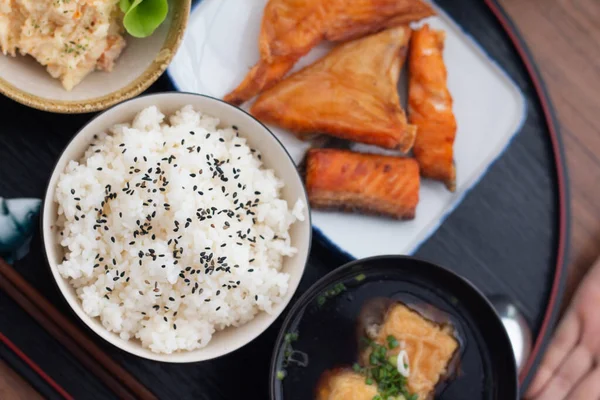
351	93
430	107
369	183
344	384
291	28
430	347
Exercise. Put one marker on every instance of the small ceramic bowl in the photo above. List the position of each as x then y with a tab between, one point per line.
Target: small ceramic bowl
23	79
274	156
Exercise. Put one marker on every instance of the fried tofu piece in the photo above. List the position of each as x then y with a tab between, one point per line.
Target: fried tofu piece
430	107
369	183
344	384
430	347
291	28
351	93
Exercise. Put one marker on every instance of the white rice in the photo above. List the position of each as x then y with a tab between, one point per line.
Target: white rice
166	255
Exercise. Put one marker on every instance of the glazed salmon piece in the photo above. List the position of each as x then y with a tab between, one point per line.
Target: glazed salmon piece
430	107
261	77
351	93
291	28
368	183
353	19
344	384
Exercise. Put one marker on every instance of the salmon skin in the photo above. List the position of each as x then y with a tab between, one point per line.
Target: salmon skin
368	183
430	107
291	28
351	93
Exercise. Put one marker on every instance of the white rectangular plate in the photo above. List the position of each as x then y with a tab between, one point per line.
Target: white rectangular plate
221	45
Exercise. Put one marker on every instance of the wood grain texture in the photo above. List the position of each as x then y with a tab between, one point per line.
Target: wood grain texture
13	387
564	37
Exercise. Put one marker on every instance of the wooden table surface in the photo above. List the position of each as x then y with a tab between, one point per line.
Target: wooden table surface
564	37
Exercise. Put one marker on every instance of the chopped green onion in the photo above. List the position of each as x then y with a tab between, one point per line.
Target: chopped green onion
383	372
392	342
291	337
360	277
281	375
330	292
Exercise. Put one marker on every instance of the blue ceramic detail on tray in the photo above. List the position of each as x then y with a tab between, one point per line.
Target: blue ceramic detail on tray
17	222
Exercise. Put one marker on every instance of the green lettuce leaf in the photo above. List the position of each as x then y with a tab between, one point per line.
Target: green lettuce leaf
142	17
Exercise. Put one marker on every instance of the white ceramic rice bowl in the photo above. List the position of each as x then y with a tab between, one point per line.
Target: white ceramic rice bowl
274	156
